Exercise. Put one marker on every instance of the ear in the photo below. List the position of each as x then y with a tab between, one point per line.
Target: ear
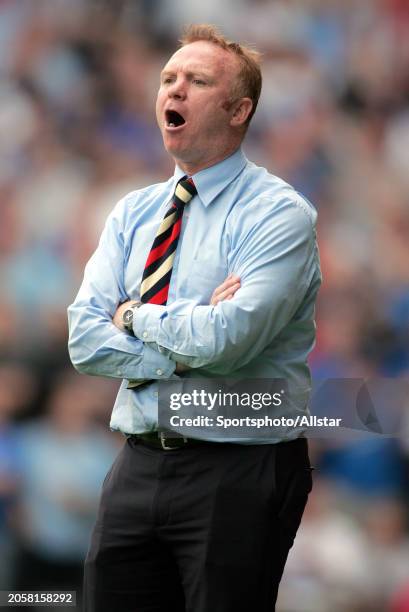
240	111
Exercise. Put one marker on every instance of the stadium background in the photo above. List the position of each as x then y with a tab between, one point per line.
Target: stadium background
77	131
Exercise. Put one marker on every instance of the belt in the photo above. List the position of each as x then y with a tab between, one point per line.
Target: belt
166	442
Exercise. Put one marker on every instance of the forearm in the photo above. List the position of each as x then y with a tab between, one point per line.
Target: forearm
275	271
95	345
224	338
98	348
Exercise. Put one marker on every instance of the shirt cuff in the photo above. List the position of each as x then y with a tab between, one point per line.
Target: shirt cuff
156	365
146	322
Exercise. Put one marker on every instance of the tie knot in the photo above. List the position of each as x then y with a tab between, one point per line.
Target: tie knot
184	192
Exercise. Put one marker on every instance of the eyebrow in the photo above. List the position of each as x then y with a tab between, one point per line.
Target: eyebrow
190	73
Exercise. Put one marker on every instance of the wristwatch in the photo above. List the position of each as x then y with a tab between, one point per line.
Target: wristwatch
127	316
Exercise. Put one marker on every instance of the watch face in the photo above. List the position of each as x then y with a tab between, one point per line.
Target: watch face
128	316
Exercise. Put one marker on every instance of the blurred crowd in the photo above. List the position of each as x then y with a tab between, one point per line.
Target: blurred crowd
78	80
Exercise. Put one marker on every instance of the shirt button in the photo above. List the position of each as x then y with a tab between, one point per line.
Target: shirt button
155	393
145	334
159	372
175	347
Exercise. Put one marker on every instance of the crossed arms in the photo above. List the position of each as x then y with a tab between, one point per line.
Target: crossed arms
275	263
225	291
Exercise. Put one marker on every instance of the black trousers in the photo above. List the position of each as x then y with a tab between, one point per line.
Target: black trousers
200	529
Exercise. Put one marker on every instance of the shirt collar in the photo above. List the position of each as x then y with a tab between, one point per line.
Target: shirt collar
211	181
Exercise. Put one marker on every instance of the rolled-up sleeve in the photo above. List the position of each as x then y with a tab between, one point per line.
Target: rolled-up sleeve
274	254
95	345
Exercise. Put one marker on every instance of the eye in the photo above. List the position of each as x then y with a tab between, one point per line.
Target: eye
167	80
198	82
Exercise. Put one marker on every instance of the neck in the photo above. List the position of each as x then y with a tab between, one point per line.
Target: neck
193	167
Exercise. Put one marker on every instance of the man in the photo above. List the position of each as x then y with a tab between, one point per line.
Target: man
199	525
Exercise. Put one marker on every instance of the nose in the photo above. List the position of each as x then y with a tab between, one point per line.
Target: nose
177	90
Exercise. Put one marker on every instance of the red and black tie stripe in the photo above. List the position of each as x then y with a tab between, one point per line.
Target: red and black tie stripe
158	267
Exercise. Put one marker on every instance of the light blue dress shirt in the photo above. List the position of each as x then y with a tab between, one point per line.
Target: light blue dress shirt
243	220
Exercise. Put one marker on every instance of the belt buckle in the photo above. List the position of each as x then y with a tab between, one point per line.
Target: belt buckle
164	445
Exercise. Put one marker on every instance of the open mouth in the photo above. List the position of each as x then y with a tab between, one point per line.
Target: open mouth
174	119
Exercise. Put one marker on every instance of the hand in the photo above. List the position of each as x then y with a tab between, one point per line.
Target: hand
117	318
226	290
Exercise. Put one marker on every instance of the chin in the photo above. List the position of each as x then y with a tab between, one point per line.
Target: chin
175	151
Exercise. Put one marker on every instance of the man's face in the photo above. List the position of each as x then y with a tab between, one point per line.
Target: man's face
193	105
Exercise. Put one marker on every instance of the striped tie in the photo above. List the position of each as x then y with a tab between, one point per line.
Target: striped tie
158	267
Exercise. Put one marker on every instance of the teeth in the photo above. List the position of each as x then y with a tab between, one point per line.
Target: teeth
172	125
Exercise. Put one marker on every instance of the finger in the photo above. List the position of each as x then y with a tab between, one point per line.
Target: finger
223	299
232	278
225	294
231	290
229	282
